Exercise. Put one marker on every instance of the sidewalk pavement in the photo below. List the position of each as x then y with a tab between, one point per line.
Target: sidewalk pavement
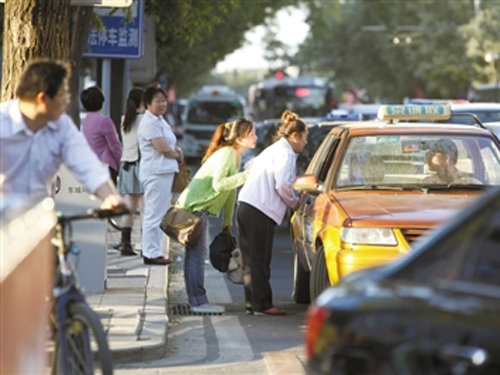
133	306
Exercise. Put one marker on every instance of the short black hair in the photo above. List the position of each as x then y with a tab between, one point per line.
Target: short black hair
150	92
445	147
92	99
42	75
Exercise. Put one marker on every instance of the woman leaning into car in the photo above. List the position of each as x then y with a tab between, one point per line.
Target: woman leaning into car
213	189
262	203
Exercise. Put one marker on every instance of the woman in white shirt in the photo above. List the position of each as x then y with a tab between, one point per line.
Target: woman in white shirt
129	184
262	203
160	159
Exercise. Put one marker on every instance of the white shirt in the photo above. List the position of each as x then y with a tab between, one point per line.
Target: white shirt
129	140
269	184
152	161
29	161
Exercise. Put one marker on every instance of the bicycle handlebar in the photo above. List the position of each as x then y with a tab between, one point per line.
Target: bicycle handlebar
93	213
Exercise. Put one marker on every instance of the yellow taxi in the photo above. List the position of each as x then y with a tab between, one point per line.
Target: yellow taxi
374	187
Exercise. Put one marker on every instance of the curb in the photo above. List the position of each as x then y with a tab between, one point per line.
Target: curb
152	327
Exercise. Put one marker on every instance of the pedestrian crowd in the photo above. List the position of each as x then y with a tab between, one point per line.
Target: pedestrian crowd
135	167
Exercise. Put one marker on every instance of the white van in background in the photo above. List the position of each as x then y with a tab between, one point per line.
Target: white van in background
207	108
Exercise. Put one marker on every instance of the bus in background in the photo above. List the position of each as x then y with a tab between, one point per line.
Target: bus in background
305	95
210	106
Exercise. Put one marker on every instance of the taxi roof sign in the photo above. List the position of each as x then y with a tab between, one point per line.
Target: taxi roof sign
414	112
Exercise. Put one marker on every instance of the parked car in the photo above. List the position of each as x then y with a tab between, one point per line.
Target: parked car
485	112
433	311
371	190
494	127
204	111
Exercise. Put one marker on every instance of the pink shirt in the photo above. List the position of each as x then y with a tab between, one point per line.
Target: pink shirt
103	139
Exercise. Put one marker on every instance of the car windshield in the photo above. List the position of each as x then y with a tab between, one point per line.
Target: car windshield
419	161
213	112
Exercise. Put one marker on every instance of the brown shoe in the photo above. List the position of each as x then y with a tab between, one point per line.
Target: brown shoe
159	261
273	311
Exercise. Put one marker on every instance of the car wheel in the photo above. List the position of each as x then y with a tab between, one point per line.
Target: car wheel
319	280
300	293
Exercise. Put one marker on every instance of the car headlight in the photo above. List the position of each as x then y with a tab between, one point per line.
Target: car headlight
368	236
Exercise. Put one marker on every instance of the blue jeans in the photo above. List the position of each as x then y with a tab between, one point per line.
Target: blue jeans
194	265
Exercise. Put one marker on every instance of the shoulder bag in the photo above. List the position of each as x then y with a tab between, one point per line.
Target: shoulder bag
181	225
181	179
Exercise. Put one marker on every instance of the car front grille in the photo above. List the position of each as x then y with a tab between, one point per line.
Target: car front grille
413	234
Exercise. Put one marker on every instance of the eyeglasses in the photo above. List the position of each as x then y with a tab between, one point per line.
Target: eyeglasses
160	101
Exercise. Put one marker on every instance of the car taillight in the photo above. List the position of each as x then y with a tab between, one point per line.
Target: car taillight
302	92
316	317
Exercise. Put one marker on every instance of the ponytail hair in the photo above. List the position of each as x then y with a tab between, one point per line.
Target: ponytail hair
134	101
292	123
226	135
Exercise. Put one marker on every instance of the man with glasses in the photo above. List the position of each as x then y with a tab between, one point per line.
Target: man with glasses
36	137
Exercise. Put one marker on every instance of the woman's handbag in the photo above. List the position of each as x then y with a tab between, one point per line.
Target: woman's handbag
220	250
181	225
181	179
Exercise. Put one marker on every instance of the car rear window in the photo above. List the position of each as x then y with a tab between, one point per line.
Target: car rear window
213	112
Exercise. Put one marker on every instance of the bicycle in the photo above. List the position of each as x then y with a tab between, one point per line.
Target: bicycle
80	344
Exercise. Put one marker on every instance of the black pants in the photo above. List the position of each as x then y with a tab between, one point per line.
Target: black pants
256	234
113	174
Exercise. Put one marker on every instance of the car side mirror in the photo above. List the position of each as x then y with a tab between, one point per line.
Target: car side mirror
308	183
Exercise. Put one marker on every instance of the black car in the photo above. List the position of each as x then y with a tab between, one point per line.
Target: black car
267	129
434	311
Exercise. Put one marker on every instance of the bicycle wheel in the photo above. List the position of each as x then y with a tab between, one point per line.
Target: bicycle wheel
87	348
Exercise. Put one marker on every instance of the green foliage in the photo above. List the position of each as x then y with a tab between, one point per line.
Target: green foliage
392	48
483	38
193	35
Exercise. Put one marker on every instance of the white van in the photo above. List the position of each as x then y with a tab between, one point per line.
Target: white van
205	110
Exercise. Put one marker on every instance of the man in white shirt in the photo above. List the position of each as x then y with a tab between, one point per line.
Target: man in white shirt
36	137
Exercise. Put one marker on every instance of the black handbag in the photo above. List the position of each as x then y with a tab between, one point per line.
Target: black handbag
220	250
181	225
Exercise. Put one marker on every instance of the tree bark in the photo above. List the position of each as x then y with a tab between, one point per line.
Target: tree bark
81	27
32	29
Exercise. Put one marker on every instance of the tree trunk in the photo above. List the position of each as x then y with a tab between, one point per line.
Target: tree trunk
32	29
116	99
81	27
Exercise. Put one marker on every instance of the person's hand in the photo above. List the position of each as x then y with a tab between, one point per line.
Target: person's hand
180	156
114	202
226	227
299	202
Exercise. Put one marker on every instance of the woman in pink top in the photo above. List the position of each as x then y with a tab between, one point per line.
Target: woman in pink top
100	131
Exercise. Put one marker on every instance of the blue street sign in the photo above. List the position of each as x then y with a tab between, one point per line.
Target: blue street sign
120	38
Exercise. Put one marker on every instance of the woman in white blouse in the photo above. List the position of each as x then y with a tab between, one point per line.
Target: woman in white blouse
160	158
262	203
